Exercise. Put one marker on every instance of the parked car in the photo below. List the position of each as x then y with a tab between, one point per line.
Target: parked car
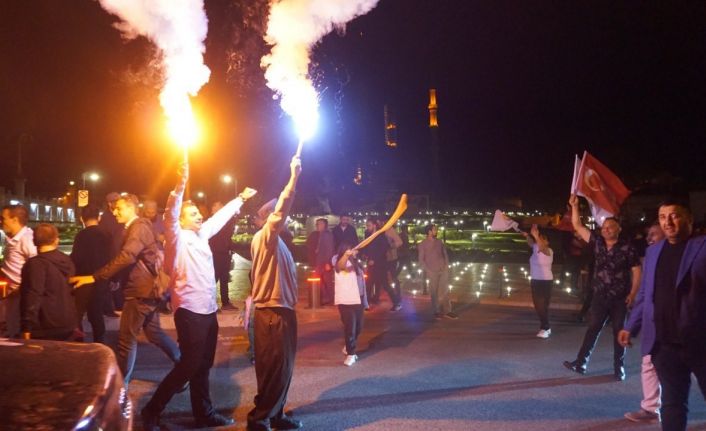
54	385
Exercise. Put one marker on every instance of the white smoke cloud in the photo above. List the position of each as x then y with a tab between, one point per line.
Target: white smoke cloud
293	28
178	28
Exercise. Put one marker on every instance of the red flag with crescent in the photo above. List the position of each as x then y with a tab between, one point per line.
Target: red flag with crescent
600	185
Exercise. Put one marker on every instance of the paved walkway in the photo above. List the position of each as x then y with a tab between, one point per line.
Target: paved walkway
485	371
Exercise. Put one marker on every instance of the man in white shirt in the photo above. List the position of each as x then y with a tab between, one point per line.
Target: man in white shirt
19	247
189	261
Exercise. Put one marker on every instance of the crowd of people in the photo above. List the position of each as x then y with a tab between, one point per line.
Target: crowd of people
132	260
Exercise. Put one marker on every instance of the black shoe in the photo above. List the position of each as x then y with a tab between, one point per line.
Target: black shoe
575	367
619	374
215	420
150	421
286	423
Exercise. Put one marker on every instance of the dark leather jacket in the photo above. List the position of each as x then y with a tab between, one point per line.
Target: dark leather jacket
140	243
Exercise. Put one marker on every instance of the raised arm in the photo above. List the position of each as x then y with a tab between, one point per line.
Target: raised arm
343	260
582	230
275	221
542	243
214	224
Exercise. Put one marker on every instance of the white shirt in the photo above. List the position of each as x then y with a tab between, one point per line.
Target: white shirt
17	251
188	258
541	264
346	282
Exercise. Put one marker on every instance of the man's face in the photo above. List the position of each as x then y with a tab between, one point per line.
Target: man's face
610	230
150	210
320	225
123	211
10	225
370	226
345	221
191	218
654	234
675	222
434	231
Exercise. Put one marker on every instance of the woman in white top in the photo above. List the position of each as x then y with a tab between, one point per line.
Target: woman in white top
349	296
541	278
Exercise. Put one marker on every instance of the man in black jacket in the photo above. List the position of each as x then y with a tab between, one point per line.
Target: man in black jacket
47	307
134	265
89	253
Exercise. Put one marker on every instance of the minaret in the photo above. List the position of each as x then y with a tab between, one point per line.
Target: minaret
434	144
390	129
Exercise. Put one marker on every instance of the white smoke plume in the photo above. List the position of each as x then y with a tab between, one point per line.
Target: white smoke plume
178	28
293	28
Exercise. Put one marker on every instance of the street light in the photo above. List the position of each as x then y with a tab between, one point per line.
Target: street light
92	176
227	180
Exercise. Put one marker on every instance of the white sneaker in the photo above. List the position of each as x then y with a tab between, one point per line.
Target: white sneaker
350	360
544	333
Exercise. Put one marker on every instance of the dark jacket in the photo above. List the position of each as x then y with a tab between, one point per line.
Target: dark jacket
91	250
46	301
140	243
349	236
691	299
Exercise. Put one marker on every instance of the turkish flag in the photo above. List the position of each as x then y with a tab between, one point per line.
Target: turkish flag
600	186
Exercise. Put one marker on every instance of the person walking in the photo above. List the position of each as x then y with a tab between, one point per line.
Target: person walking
274	292
189	261
668	312
350	297
134	266
616	280
434	260
541	277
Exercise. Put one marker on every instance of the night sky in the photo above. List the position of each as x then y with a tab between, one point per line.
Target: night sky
521	85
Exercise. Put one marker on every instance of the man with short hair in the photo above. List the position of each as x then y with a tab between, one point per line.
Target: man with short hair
189	261
669	310
222	249
376	255
274	293
89	253
319	245
434	260
650	404
19	247
344	231
616	279
136	266
151	212
48	310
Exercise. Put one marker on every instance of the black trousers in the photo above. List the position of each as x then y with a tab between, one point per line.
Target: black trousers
541	294
197	336
377	281
352	318
221	267
674	368
275	349
89	300
601	309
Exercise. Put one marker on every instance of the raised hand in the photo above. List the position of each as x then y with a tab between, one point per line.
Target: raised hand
247	193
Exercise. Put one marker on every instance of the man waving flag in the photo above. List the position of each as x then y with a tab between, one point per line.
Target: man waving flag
600	186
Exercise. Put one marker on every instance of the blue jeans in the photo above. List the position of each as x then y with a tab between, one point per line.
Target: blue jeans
141	314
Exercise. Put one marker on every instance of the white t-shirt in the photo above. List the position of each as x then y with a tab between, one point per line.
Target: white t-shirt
346	291
541	264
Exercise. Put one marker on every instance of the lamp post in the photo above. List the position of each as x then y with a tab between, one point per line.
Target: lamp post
227	179
92	176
